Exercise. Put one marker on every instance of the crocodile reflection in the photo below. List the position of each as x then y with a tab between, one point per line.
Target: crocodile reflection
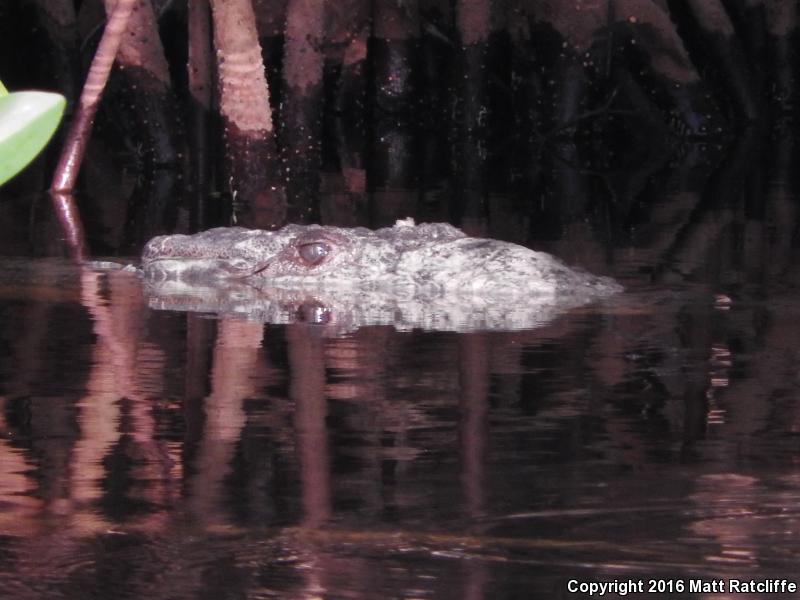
430	276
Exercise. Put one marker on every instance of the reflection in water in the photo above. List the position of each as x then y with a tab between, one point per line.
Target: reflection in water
621	441
307	391
233	365
474	384
171	455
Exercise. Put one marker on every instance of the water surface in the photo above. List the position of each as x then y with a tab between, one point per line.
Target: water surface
651	436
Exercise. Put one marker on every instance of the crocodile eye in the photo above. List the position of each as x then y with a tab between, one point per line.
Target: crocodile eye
314	253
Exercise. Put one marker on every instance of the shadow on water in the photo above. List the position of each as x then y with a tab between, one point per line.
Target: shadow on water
654	435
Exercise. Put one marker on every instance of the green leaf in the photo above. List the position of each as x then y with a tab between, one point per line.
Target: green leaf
27	122
3	90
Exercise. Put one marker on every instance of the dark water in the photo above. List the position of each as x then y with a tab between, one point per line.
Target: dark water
651	437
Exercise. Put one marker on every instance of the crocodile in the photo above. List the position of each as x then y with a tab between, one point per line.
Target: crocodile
430	275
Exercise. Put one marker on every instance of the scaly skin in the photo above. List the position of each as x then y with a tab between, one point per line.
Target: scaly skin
424	260
428	275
